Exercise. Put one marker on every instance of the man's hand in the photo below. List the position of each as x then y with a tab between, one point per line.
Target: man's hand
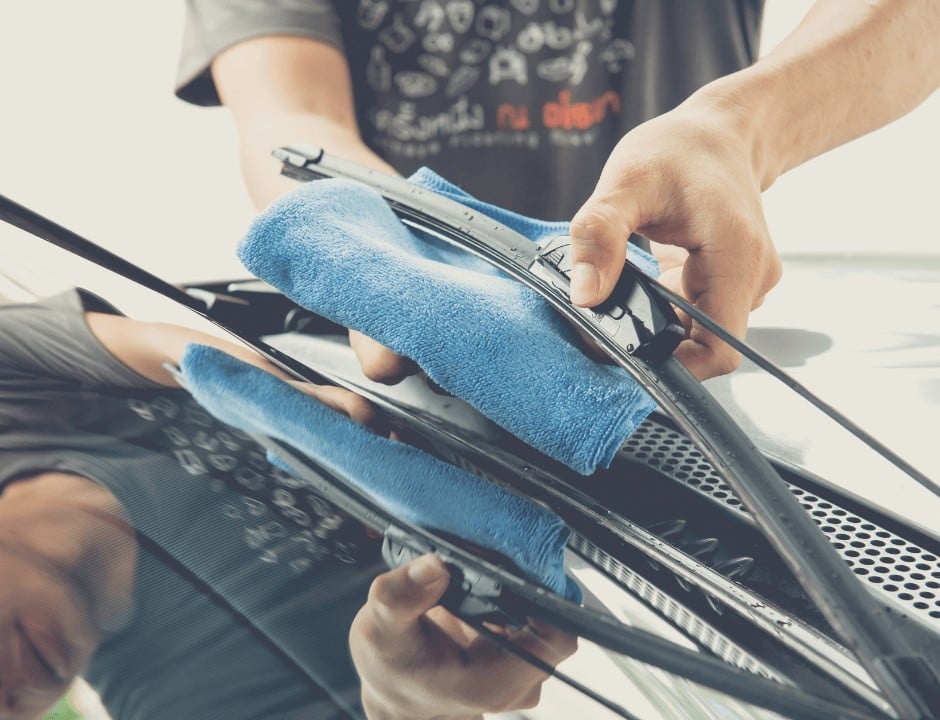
686	179
418	661
46	635
66	577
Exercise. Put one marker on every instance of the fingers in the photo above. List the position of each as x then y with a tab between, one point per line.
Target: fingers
668	256
599	233
378	362
398	598
726	288
45	656
399	654
34	667
626	192
354	406
512	683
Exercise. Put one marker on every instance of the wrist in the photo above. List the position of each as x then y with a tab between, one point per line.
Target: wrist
742	104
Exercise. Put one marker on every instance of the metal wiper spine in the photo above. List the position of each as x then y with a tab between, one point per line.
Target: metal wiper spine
869	628
567	616
645	370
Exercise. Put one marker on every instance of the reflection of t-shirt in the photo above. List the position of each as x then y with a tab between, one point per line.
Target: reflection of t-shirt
518	101
243	606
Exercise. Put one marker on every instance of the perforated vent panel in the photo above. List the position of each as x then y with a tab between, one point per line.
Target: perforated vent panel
905	573
693	625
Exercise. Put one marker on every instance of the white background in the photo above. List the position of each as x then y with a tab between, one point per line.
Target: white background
92	136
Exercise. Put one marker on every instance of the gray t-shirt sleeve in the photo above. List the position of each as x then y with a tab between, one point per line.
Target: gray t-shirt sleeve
211	26
49	343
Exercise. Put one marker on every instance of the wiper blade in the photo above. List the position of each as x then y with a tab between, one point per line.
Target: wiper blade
874	633
495	590
483	591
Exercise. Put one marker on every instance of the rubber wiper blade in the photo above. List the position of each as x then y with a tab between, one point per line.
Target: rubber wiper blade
899	663
635	319
494	589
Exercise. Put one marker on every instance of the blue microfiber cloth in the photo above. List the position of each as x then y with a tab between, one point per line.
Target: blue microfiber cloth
335	247
406	481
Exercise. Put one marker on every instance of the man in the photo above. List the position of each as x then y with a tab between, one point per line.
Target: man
527	103
154	550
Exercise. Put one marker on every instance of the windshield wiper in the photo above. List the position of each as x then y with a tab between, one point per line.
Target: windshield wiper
640	342
636	328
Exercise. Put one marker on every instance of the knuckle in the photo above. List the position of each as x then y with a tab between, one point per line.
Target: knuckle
381	594
513	699
587	226
362	634
726	361
567	646
376	368
360	410
775	270
596	228
531	699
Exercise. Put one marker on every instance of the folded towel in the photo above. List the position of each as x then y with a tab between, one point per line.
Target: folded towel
406	481
335	247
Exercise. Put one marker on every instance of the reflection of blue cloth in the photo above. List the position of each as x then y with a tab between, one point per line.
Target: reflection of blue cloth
406	481
334	247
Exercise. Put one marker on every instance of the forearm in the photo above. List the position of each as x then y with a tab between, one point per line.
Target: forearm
263	132
849	68
147	347
283	90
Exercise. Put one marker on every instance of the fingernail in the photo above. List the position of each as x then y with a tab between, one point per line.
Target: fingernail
585	281
426	570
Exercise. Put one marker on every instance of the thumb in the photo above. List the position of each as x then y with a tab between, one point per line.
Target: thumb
399	597
599	232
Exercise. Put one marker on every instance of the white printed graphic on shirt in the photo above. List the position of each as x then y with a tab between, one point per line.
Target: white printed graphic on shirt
526	7
424	50
415	84
378	71
493	23
561	7
571	69
372	13
433	65
293	528
460	14
397	37
440	43
431	16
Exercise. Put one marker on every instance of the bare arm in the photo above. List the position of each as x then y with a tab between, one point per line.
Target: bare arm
848	68
692	178
282	90
145	347
287	89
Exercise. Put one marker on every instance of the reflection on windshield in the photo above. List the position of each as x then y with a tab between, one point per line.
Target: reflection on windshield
155	551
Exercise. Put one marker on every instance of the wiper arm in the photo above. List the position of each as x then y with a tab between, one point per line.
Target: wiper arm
492	591
873	631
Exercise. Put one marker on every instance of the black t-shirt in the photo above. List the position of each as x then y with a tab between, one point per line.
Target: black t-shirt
247	581
518	101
